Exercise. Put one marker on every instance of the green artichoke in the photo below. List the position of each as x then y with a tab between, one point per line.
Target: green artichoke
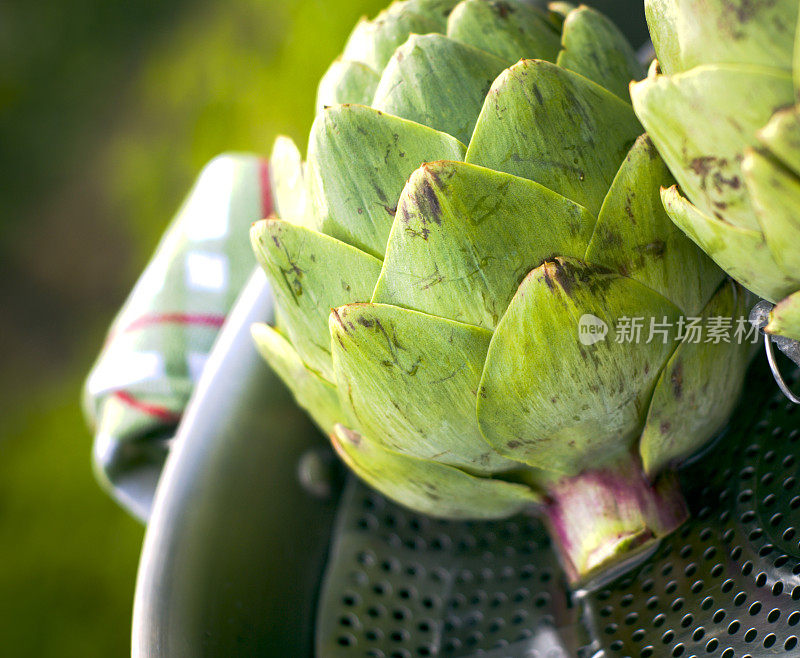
462	216
720	105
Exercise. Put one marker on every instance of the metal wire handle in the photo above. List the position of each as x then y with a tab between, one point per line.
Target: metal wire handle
759	318
776	372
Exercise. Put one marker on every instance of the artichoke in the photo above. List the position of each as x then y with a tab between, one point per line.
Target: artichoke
720	105
477	216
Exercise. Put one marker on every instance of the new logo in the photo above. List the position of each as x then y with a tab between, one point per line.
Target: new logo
591	329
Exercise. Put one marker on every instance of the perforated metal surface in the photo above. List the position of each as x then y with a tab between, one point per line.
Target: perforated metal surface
727	584
403	585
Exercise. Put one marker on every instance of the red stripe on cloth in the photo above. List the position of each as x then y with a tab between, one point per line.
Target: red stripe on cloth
154	410
266	189
209	320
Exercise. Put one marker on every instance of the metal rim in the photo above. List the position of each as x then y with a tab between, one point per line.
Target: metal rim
776	372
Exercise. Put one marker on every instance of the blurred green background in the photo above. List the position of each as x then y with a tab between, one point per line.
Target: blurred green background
108	110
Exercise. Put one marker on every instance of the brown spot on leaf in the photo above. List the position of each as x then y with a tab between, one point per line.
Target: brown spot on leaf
665	427
612	239
711	170
564	274
424	233
429	202
503	9
629	199
745	10
702	166
649	147
435	278
338	316
513	445
676	379
434	173
405	217
655	248
720	182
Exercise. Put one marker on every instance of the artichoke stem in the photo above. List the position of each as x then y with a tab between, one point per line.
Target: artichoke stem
604	516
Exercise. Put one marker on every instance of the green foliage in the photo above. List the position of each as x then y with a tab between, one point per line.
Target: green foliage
231	76
68	553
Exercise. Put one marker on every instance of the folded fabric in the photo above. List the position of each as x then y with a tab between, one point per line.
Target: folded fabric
157	345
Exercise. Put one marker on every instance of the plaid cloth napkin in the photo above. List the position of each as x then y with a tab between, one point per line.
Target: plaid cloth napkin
158	343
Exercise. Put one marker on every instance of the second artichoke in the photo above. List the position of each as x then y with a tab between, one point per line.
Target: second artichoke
720	105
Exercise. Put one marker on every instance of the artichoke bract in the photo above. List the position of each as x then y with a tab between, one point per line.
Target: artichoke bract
477	214
720	105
